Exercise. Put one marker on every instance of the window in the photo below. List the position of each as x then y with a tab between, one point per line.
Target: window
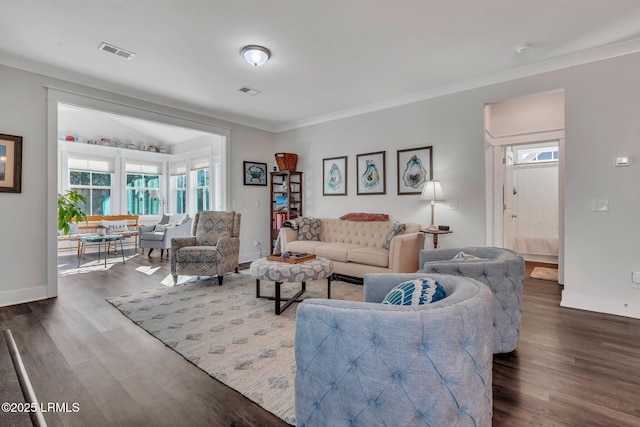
200	182
139	191
95	187
202	190
537	155
179	186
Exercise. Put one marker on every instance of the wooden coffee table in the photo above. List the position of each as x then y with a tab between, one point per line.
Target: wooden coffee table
280	272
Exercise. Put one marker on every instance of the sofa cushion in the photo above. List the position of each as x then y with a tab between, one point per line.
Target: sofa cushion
309	229
335	251
308	246
395	230
369	256
420	291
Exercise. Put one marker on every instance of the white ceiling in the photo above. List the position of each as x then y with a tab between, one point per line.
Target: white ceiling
330	58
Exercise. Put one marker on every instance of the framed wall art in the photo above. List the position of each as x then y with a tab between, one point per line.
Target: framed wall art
371	171
415	167
10	163
334	176
254	173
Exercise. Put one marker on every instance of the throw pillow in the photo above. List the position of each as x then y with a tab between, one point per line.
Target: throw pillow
463	256
159	227
395	230
415	292
115	226
358	216
308	229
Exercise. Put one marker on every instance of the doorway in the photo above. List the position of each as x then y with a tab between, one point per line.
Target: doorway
524	159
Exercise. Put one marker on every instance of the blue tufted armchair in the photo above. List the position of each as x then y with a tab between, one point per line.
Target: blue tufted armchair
502	270
368	364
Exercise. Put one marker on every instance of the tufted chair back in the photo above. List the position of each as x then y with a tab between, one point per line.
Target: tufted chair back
502	271
368	364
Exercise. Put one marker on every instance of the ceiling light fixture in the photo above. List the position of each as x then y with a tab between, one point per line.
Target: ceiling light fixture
523	47
255	55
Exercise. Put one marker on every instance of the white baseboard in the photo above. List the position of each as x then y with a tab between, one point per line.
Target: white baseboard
20	296
251	256
599	305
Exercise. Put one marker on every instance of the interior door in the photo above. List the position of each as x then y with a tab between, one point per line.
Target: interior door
509	215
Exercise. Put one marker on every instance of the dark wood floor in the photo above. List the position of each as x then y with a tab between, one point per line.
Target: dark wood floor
572	368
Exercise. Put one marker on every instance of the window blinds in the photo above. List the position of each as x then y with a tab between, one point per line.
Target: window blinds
137	166
87	162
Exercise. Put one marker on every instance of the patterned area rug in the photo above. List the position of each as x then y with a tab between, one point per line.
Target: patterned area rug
230	334
545	273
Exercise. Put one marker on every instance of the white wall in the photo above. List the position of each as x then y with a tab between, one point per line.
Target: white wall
28	231
526	115
602	121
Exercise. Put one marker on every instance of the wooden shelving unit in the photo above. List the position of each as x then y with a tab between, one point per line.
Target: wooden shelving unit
286	200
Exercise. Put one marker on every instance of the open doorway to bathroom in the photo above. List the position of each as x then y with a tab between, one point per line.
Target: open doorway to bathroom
524	157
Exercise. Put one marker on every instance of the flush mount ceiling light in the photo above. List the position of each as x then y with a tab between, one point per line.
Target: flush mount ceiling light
255	55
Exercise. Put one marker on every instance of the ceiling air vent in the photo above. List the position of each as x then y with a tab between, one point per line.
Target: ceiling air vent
249	91
116	50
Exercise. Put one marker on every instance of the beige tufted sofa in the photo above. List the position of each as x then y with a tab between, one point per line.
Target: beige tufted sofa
357	247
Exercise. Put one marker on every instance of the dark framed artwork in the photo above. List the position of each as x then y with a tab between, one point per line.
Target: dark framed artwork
10	164
371	171
415	167
334	176
255	173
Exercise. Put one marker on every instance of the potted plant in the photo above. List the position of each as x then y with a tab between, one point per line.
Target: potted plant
70	207
101	230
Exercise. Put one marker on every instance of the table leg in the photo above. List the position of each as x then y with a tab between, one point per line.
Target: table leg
121	249
257	288
105	253
277	310
435	241
329	287
80	251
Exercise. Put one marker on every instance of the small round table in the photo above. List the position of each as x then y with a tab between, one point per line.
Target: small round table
95	238
280	272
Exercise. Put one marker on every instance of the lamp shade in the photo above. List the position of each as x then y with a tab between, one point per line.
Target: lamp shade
432	190
255	55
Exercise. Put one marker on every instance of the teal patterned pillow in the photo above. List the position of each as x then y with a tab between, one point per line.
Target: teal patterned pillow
415	292
463	256
395	230
308	229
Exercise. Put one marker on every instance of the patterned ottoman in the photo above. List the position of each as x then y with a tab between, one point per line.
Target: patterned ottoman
280	272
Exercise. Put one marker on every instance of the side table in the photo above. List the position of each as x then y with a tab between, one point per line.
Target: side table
94	238
435	234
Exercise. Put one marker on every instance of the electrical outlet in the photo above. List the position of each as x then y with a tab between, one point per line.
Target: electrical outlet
599	205
256	243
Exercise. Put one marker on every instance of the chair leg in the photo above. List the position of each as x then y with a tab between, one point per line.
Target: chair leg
236	269
175	279
220	277
161	253
149	254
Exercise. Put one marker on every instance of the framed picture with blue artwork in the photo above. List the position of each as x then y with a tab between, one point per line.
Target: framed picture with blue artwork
334	176
255	173
371	173
10	163
415	167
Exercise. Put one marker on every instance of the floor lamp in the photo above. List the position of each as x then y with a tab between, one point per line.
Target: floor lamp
432	191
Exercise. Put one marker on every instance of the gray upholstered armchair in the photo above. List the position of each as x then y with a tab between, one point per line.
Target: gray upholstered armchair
501	270
159	236
214	248
369	364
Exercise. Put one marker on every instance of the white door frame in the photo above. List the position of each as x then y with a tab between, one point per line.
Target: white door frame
494	182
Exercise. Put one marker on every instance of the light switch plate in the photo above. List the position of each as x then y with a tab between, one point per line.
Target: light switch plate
600	205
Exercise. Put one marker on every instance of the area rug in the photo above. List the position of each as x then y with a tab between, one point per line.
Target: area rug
230	334
545	273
